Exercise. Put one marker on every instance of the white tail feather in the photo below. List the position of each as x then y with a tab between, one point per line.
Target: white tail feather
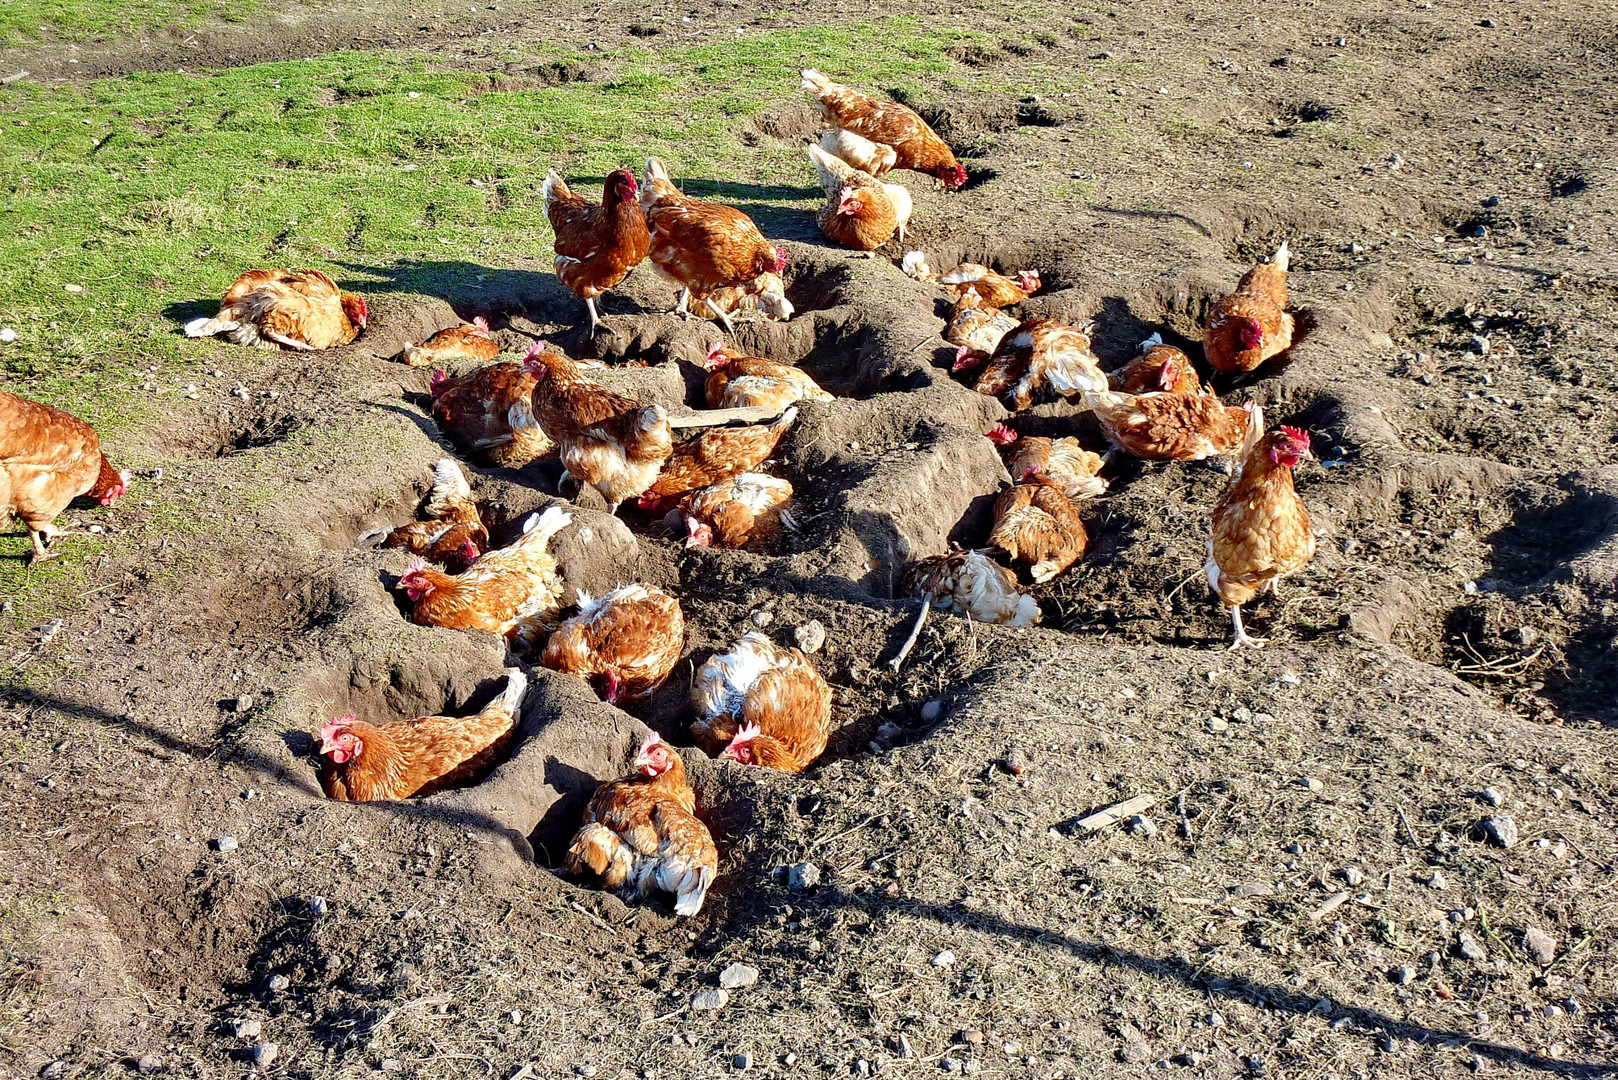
1152	342
206	327
511	697
449	487
1281	258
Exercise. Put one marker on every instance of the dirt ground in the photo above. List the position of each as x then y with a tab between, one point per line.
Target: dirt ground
1312	893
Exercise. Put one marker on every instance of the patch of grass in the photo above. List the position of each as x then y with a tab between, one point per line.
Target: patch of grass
32	20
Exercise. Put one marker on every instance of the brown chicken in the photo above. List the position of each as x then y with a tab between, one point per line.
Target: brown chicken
613	443
1260	527
877	126
48	458
860	212
1039	359
994	290
745	512
500	591
452	534
643	832
596	246
972	584
1251	325
363	762
1169	427
765	294
1035	523
490	411
623	644
301	309
702	246
1065	461
1159	368
762	704
738	381
717	454
468	341
975	327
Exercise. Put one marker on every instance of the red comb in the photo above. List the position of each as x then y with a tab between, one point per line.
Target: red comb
1296	434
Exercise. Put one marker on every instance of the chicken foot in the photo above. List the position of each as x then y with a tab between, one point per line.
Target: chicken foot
595	320
1242	640
42	538
730	327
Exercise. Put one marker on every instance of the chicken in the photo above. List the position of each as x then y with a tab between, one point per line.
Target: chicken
491	411
717	454
642	832
1169	427
453	534
1158	368
500	590
468	341
613	443
861	212
1251	325
48	458
624	643
975	327
1035	523
972	584
1039	355
1073	468
746	512
596	246
363	762
301	309
737	381
858	152
1260	527
991	288
702	246
762	704
765	294
881	125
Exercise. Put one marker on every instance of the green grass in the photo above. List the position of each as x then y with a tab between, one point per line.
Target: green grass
31	20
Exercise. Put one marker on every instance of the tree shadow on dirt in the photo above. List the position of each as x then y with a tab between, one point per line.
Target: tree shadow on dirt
1159	215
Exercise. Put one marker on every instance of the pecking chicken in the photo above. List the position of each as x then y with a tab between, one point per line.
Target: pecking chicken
860	212
992	289
1039	355
1073	468
738	380
972	584
491	411
762	704
1035	523
1251	325
976	327
717	454
624	643
867	131
1159	368
48	458
642	832
1169	427
468	341
301	309
452	534
745	512
765	294
500	590
363	762
611	442
702	246
1260	527
596	246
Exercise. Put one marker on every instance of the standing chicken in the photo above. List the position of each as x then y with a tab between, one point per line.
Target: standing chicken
1158	368
642	832
717	454
596	246
1260	527
1065	461
491	411
624	643
860	212
47	459
976	327
1040	354
1035	523
867	130
364	762
972	584
1251	325
500	590
468	341
766	701
611	442
994	290
301	309
746	512
738	381
1169	427
702	246
453	534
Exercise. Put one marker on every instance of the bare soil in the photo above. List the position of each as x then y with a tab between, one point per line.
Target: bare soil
1314	894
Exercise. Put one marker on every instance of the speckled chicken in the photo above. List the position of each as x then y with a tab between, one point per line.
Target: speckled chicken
453	534
1035	523
1251	325
1159	368
745	512
717	454
765	294
970	583
762	704
500	590
468	341
737	380
974	326
1065	461
1169	427
624	644
1040	358
994	290
490	411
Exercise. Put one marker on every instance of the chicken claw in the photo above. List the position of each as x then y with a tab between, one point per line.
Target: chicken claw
1242	640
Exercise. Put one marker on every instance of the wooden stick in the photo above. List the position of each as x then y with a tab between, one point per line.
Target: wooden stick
1116	813
915	632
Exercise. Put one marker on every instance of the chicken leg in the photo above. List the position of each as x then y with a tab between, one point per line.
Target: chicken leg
595	320
721	316
1242	640
42	537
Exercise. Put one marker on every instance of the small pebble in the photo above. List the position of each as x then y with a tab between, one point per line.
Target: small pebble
950	1065
802	876
1469	948
148	1063
932	710
1217	726
8	335
1141	826
1405	975
279	983
810	636
1354	876
317	906
1312	784
943	959
1016	763
1396	161
1540	946
264	1054
1493	797
971	1036
246	1029
225	844
53	1071
1438	881
76	289
710	1000
901	1045
1480	345
1501	831
762	619
737	976
741	1062
389	1065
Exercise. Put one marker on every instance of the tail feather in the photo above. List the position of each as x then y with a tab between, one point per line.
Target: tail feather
598	849
815	82
449	488
540	528
510	698
206	327
690	890
555	188
1026	612
1282	257
1152	342
833	173
655	170
784	421
651	416
965	272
